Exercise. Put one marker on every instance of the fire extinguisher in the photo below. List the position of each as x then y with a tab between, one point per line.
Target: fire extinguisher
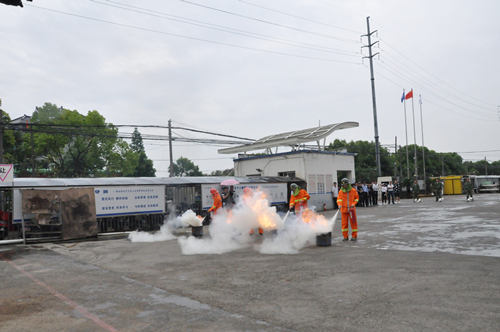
324	206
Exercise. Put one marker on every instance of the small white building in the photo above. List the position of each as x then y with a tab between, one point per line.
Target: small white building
317	167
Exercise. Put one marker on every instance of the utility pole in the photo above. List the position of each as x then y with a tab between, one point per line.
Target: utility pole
171	173
400	164
375	124
442	164
32	153
1	136
485	166
395	156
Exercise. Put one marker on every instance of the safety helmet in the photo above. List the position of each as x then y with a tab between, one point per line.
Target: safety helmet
294	185
345	181
213	191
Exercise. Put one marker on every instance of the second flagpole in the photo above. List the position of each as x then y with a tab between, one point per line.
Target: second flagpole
414	134
423	149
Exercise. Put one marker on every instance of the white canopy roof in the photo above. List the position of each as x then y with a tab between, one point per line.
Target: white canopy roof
292	138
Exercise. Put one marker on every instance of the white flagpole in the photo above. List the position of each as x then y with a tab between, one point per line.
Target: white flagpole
423	150
406	132
414	134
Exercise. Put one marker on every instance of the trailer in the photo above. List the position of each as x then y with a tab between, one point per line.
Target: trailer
486	183
124	204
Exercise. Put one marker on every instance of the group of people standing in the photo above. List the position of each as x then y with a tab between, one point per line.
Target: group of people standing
369	193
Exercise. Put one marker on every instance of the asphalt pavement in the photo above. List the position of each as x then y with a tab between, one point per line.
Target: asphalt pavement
425	266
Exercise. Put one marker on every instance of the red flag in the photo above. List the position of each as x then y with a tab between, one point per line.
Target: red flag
409	95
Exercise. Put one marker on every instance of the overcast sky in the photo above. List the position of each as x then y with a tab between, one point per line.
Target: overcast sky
254	68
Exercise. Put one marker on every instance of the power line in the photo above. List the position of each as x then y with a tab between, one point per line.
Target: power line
406	68
126	136
394	72
434	75
193	38
271	23
110	126
418	51
225	29
299	17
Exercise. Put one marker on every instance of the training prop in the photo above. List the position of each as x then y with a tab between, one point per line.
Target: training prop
197	231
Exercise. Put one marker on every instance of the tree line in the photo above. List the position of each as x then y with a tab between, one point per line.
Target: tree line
395	164
58	142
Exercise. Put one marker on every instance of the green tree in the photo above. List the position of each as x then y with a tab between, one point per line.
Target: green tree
137	145
9	141
121	161
225	172
365	160
434	162
144	165
185	167
76	145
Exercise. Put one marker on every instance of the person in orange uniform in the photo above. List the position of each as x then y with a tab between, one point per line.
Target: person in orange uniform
299	198
217	201
347	199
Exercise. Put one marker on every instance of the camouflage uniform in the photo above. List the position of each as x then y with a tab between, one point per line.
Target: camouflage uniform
437	187
416	191
468	189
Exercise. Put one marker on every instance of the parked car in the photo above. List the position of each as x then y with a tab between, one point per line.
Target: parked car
488	187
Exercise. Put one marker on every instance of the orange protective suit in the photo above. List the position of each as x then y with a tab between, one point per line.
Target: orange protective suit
300	200
217	203
347	198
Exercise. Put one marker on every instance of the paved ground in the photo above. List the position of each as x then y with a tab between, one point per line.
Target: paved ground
417	267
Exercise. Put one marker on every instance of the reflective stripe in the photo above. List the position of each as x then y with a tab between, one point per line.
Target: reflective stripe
356	200
355	230
339	200
213	207
345	230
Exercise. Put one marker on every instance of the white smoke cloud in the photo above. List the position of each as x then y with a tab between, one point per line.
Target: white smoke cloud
230	230
296	235
188	218
164	234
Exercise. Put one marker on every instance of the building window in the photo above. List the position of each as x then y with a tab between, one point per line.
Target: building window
290	174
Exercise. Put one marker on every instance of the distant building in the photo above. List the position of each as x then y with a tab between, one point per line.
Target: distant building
317	167
22	120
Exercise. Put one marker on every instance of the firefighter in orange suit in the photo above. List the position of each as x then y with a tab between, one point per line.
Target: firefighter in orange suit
217	201
247	196
299	198
347	199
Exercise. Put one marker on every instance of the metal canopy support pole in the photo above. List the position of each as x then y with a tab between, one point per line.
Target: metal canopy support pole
22	215
22	224
60	215
375	124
